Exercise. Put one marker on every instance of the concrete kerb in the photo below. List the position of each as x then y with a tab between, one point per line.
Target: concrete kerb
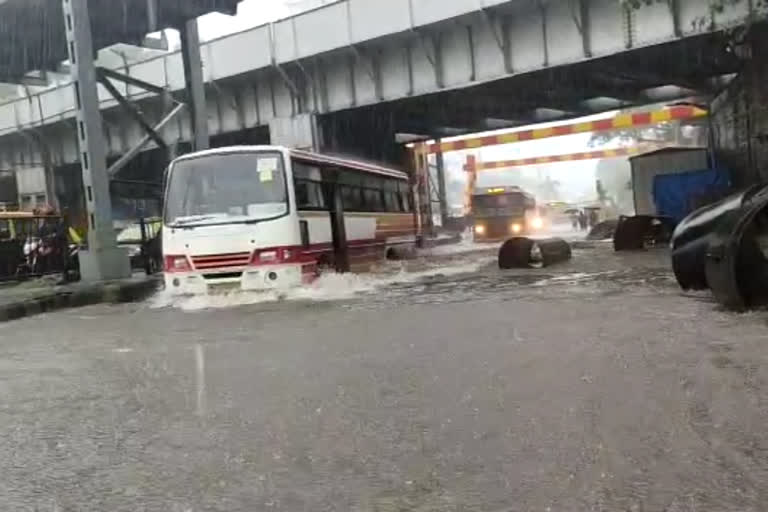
80	295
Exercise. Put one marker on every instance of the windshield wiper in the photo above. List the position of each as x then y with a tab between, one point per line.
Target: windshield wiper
189	220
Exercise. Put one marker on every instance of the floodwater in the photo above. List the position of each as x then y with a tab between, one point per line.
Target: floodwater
438	384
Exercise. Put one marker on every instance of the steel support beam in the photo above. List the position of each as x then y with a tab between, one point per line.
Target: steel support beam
322	81
351	60
441	188
172	146
256	106
471	51
117	166
501	39
141	84
544	32
372	68
437	59
674	10
628	26
585	27
193	76
132	110
293	89
409	68
103	260
506	48
272	97
433	52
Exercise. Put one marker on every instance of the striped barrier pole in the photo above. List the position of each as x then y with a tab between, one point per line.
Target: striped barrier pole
619	122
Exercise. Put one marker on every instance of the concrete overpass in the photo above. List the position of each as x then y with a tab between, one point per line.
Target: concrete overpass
349	75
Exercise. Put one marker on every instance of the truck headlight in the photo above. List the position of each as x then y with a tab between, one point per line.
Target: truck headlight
537	223
516	228
480	229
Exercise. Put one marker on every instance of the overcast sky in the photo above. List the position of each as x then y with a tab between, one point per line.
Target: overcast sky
250	13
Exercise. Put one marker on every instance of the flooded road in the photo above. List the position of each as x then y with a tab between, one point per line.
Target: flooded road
428	386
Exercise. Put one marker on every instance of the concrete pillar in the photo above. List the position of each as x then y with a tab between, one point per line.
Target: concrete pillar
193	76
103	260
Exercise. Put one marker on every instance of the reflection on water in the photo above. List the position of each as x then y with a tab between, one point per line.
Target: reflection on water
332	286
200	379
591	385
457	273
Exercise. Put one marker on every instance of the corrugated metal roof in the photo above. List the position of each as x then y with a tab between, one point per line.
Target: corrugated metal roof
32	31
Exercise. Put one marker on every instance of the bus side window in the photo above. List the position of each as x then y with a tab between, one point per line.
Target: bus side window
372	198
352	197
309	195
308	186
391	202
317	195
374	202
302	194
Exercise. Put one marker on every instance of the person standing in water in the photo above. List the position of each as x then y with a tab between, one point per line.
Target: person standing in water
582	220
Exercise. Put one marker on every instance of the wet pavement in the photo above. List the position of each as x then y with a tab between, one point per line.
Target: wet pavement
595	385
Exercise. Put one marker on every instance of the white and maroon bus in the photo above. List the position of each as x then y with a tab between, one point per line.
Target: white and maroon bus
257	217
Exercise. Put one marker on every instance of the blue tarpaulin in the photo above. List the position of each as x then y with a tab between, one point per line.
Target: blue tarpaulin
677	195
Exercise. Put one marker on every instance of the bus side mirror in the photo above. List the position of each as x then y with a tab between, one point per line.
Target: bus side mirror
304	232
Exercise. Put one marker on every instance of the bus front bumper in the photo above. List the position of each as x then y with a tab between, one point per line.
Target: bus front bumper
499	231
254	278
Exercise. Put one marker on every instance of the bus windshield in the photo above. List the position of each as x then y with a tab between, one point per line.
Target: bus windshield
499	205
226	189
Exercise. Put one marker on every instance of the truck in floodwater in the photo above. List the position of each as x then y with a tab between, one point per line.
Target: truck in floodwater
501	212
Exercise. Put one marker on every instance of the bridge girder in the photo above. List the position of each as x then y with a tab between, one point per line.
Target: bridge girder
503	62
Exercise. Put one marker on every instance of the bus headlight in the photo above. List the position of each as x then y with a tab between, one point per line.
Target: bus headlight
516	228
537	223
480	229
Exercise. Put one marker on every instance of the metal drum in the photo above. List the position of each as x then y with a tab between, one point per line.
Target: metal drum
521	252
691	238
736	264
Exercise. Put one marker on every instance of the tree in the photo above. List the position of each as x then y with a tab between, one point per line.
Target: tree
715	7
615	178
681	133
548	189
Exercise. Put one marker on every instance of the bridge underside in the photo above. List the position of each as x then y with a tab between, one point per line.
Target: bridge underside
340	89
693	69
